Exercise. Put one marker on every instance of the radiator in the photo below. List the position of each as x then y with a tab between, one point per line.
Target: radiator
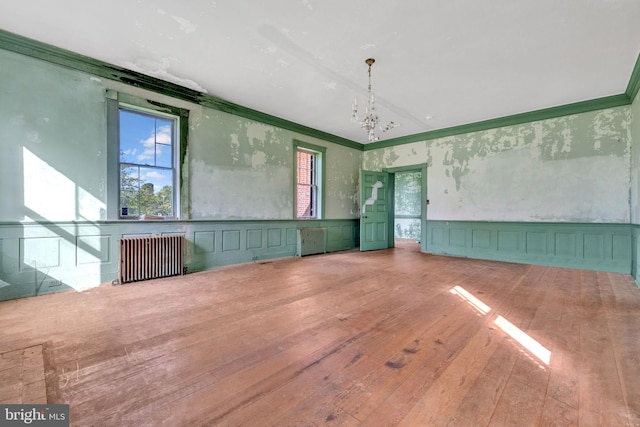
143	258
311	241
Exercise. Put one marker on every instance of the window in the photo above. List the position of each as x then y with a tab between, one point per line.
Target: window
307	185
309	179
146	147
147	164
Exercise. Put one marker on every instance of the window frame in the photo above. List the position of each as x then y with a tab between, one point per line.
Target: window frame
116	102
319	153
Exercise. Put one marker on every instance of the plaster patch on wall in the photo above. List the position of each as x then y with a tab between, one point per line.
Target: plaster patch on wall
572	168
573	193
259	132
258	160
568	140
240	193
460	149
342	178
605	129
235	148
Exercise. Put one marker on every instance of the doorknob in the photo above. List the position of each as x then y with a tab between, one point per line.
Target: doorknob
364	216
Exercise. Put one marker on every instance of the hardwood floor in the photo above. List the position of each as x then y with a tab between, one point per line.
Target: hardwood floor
383	338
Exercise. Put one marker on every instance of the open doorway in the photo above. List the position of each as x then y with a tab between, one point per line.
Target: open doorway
407	218
410	206
381	221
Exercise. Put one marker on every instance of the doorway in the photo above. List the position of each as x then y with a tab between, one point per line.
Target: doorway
407	215
381	221
410	204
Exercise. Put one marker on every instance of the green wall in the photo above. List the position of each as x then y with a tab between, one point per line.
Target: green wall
635	160
568	169
552	192
556	191
635	184
54	167
241	169
55	180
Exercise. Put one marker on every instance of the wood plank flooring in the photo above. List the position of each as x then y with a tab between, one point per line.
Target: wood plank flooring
384	338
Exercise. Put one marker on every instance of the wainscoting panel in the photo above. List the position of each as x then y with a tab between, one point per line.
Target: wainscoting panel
40	258
603	247
204	242
92	249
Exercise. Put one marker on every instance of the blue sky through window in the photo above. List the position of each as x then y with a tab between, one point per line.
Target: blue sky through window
146	141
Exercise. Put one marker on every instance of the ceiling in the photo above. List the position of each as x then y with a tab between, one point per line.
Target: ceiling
438	63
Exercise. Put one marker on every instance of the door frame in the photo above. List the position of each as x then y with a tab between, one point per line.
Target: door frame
424	202
384	217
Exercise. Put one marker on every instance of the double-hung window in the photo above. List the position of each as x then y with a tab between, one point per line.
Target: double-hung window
147	164
148	142
309	161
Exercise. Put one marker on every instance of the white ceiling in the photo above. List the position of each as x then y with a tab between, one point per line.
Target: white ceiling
438	63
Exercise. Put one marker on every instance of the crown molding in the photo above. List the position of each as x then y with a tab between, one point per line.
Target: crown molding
516	119
55	55
634	81
36	49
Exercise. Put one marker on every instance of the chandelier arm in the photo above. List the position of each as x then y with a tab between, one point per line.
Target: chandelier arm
371	119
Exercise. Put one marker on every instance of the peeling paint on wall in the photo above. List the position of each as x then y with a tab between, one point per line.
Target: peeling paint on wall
235	156
342	192
237	168
232	193
634	136
573	168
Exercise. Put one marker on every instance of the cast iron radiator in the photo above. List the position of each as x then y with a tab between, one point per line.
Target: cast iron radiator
311	241
143	258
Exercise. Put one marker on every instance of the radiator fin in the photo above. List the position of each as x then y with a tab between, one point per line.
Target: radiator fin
143	258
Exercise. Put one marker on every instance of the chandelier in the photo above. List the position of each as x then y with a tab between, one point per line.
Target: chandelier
370	120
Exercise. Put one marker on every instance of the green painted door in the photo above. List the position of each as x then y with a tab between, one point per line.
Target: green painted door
375	210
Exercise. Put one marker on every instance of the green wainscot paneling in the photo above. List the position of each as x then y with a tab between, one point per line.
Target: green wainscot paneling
41	258
635	243
602	247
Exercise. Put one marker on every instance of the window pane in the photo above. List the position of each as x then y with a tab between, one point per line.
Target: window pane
306	184
156	193
305	201
137	138
147	165
164	138
129	189
305	170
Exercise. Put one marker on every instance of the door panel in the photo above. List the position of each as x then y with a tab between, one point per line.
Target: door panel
375	190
